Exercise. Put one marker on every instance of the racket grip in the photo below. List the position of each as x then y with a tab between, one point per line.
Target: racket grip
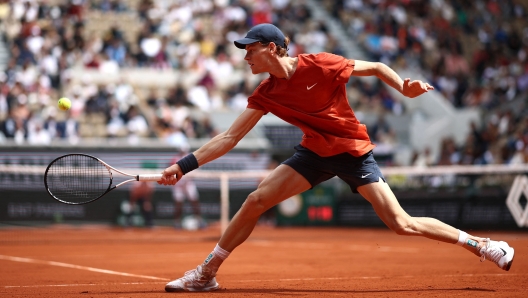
149	177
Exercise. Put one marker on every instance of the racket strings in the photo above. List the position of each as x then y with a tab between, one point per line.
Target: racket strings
78	179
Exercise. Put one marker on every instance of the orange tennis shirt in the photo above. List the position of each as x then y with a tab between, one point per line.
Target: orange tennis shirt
314	99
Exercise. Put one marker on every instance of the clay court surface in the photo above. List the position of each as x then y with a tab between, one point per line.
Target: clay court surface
98	261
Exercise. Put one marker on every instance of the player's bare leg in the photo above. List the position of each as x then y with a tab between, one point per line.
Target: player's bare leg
392	214
281	184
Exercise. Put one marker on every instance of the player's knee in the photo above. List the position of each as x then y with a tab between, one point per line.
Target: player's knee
254	204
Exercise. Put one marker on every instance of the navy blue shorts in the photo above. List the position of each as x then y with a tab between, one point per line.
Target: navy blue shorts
355	171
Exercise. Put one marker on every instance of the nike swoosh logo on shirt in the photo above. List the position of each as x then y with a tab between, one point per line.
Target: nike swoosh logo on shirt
363	176
308	88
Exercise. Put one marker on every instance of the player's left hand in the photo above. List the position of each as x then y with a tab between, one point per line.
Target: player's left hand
415	88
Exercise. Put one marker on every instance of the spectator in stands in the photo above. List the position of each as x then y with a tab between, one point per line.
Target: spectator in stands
62	41
175	136
383	135
27	75
37	135
161	60
52	126
135	122
449	154
238	95
4	105
428	19
115	125
23	55
12	126
107	65
424	158
150	46
199	94
143	7
116	51
191	128
480	143
124	95
153	98
205	128
381	131
110	5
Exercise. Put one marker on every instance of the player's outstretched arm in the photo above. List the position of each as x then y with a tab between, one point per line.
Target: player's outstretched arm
390	77
217	146
224	142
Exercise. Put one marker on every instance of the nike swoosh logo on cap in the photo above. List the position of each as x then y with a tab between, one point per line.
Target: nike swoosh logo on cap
363	176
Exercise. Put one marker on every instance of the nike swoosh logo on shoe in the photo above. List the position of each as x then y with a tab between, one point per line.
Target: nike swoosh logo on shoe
505	253
308	88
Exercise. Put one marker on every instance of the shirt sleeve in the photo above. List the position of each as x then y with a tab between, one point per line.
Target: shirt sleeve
337	67
255	100
253	104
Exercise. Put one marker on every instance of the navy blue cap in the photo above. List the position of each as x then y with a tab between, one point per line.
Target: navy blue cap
262	33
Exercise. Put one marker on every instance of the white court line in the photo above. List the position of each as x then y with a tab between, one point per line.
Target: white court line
84	285
59	264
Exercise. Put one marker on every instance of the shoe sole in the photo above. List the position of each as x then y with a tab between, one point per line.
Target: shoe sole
208	289
511	261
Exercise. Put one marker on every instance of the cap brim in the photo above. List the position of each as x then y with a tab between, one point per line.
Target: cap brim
241	43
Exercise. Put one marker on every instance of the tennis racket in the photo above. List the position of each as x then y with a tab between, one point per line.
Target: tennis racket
77	179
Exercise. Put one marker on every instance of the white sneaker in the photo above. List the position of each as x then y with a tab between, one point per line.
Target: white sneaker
195	280
499	252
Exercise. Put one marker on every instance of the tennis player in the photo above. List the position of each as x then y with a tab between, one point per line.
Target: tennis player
309	92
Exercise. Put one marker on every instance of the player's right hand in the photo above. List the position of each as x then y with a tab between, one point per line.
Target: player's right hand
171	175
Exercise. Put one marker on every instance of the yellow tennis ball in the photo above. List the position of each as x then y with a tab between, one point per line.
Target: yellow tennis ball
64	103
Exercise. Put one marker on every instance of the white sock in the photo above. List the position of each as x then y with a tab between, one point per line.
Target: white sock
220	252
462	236
215	259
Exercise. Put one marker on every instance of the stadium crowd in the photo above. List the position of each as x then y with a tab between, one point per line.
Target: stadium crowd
49	40
474	52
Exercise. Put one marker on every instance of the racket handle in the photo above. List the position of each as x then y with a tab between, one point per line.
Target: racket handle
149	177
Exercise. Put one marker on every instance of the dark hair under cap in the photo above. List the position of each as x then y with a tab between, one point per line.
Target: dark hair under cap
262	33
